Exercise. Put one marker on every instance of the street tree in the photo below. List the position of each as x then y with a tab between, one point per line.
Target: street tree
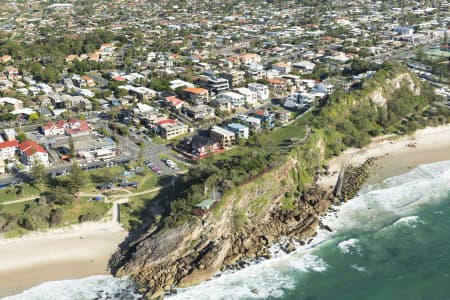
71	148
38	173
76	180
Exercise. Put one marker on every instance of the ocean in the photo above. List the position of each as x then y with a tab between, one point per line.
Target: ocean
391	242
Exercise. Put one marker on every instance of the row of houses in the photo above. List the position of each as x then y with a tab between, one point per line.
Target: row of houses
28	152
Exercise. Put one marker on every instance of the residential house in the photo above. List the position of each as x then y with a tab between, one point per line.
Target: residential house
279	85
283	68
235	77
79	81
250	58
53	128
75	127
261	90
89	81
213	84
170	129
11	102
196	95
13	73
30	152
241	131
199	112
256	72
178	83
8	150
6	85
42	87
9	134
283	116
404	30
199	146
71	127
143	93
236	100
252	122
304	66
174	102
267	117
250	97
78	102
223	136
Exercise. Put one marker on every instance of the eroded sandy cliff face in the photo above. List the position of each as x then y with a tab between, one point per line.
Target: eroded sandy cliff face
381	95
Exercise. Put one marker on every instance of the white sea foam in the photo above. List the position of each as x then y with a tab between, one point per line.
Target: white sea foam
258	281
410	221
394	199
358	268
350	246
94	287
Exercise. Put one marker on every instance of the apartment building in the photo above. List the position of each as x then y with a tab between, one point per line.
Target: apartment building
261	90
170	129
223	136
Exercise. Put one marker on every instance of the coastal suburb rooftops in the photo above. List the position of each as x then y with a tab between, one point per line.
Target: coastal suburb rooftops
194	90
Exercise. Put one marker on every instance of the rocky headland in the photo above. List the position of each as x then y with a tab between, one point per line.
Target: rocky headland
253	218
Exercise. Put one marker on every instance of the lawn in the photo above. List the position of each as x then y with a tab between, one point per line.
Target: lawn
12	193
140	209
72	213
130	213
274	141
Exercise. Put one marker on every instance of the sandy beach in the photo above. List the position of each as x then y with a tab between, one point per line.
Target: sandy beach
83	250
69	253
396	154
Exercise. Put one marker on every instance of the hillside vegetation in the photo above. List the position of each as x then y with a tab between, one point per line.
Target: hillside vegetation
343	120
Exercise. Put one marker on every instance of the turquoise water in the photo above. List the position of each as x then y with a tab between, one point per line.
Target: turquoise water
390	242
409	259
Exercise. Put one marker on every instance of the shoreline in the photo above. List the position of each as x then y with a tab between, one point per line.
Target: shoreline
61	254
395	155
66	253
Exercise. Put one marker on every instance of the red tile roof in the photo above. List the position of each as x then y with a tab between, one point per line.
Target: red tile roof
174	100
9	144
166	121
30	147
193	90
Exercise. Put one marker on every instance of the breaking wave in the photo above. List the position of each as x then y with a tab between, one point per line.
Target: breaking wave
350	246
410	221
252	282
100	287
392	202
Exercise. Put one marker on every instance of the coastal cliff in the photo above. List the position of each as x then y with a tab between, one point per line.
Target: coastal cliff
279	204
246	222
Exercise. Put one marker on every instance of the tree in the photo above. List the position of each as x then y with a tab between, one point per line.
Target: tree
38	173
421	55
71	148
140	154
21	136
76	180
